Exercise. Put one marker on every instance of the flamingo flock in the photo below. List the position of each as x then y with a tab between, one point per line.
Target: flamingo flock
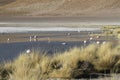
34	38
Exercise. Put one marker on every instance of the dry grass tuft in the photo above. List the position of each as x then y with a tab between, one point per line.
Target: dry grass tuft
5	70
75	63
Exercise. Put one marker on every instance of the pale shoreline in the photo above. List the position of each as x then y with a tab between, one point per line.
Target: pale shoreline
27	29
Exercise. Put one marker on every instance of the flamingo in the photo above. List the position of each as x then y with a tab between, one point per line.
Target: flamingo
8	40
28	51
85	41
98	42
63	43
30	38
98	37
91	38
104	42
35	38
69	34
48	39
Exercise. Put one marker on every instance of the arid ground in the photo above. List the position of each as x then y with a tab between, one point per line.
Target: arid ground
98	8
96	57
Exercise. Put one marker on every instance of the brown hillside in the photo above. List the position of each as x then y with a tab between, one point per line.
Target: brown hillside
60	7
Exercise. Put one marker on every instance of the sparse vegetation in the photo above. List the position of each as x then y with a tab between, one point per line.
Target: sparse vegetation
111	30
75	63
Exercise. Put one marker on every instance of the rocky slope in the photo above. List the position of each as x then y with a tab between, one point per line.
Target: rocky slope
60	7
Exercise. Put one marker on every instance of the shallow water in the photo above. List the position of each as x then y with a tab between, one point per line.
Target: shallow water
11	50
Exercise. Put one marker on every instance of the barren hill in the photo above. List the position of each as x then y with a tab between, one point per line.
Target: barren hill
60	7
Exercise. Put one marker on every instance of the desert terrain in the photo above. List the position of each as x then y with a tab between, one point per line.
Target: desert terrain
89	8
49	39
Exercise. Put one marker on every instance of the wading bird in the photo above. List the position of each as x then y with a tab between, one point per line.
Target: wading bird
30	39
98	42
69	34
35	38
104	42
85	42
64	43
48	39
28	51
98	37
91	39
8	40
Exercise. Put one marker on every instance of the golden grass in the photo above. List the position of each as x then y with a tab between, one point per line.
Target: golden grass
71	64
109	30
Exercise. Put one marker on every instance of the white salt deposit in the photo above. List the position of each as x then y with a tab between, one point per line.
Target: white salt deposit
27	29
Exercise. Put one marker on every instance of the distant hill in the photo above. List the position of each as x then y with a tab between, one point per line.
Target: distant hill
60	8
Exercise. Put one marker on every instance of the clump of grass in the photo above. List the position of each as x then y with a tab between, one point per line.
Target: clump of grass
75	63
30	66
107	57
111	30
5	70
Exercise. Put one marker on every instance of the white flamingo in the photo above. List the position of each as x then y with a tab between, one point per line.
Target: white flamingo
91	38
48	39
104	42
85	41
98	42
28	51
8	40
35	38
98	37
69	34
30	38
63	43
